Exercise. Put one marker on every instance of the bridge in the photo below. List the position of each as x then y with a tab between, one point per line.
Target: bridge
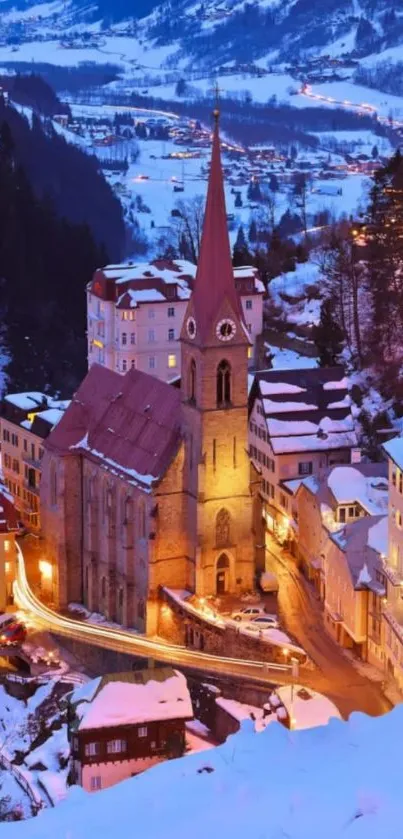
259	673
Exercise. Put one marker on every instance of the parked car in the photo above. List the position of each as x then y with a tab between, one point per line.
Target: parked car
266	621
269	582
13	633
248	613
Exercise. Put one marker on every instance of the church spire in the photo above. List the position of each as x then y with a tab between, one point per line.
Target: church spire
214	283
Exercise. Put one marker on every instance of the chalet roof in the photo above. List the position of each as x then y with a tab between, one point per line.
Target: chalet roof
122	699
214	282
130	424
305	409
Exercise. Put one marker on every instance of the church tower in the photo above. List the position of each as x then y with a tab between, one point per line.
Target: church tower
214	347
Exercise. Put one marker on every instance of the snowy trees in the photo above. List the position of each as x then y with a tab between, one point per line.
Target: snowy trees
328	335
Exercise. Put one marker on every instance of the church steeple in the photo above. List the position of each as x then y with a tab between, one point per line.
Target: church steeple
214	292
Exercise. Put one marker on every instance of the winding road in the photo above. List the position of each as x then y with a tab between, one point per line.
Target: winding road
335	675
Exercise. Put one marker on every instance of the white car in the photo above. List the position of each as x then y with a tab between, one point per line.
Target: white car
248	613
266	622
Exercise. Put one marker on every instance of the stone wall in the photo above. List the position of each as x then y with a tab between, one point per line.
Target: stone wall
178	626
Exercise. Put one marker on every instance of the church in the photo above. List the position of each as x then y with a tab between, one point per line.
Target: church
147	485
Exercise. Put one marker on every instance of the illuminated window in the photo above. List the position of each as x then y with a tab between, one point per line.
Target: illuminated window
250	352
7	545
172	360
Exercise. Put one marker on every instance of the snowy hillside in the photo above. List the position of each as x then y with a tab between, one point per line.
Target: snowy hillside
216	31
300	784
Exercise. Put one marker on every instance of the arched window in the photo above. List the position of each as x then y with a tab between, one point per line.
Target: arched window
53	485
192	381
223	528
223	384
128	511
142	519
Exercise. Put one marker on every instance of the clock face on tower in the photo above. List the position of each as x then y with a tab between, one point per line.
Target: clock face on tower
191	327
225	329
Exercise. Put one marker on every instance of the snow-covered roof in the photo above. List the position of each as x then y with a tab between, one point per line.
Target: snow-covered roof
307	708
132	698
305	409
350	484
27	401
394	450
364	542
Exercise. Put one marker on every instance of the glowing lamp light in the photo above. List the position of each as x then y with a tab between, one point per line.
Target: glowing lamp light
45	569
285	651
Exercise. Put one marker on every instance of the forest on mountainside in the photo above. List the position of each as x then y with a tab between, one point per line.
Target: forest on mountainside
49	249
71	179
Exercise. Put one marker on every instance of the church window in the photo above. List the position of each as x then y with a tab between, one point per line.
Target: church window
142	520
192	381
223	384
127	511
53	485
223	524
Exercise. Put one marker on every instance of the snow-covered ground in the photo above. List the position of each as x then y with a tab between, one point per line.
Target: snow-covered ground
307	784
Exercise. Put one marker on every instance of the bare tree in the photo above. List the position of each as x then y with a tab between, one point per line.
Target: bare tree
187	224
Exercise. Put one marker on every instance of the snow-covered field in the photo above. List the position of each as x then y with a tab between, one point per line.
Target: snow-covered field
300	784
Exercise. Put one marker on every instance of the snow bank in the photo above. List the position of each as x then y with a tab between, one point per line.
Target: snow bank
321	782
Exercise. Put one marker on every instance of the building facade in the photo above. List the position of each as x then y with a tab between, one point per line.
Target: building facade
145	485
300	423
135	314
8	552
26	419
122	724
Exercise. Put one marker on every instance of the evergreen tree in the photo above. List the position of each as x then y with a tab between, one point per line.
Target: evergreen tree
273	183
241	255
327	335
253	231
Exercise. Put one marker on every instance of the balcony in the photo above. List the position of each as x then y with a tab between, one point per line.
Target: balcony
33	462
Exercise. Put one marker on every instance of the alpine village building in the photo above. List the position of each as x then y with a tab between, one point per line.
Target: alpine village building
145	485
123	723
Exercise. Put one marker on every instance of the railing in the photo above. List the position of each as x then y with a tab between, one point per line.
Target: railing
36	801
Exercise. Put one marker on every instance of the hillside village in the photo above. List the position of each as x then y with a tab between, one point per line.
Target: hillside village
201	512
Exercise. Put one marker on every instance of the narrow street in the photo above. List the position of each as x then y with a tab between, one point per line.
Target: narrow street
302	616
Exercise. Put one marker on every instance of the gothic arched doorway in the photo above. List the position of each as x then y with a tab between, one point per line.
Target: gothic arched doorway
222	574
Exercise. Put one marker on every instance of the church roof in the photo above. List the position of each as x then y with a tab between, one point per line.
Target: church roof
214	281
130	424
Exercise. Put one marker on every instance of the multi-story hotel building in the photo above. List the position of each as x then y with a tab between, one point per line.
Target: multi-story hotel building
135	314
26	419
